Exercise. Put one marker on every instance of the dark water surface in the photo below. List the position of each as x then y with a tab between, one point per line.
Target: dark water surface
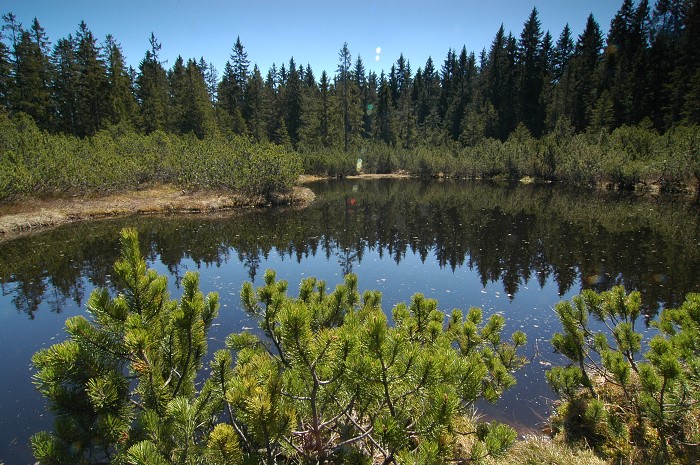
511	249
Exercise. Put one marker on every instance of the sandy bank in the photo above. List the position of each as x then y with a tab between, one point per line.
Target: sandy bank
34	214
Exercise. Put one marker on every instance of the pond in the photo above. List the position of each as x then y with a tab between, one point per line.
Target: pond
513	249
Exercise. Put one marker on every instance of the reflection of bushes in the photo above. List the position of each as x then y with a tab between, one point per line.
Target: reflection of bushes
36	163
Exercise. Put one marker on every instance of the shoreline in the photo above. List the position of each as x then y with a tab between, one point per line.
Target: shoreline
33	215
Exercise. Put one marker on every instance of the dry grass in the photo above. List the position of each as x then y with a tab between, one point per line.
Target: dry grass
539	450
34	214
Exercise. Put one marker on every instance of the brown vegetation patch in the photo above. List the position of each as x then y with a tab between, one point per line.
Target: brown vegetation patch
33	214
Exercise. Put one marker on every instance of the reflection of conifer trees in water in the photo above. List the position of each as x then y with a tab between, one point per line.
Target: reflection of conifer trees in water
351	251
251	261
516	235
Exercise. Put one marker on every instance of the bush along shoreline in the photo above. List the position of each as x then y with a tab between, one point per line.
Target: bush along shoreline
37	164
630	157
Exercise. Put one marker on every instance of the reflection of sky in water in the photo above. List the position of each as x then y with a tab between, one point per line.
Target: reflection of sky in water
438	254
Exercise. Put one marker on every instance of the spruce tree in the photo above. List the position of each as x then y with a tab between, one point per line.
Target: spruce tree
5	74
121	105
583	69
292	103
667	19
211	78
687	76
464	72
531	75
404	108
91	83
548	80
64	85
230	101
256	110
240	64
31	92
385	125
343	86
178	97
190	105
310	116
152	89
329	131
562	53
446	77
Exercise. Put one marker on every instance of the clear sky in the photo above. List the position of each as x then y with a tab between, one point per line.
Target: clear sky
312	31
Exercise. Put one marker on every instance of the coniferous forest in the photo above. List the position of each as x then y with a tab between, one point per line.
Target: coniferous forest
620	108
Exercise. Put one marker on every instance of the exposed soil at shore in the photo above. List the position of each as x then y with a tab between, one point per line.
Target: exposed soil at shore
30	215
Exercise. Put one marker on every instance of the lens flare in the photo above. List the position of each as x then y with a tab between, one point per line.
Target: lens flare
378	50
376	58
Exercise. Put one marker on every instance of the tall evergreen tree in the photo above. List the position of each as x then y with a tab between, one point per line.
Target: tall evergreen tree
583	69
211	78
310	116
531	75
446	77
91	83
343	83
12	29
256	110
292	103
199	112
152	89
365	95
230	101
385	126
5	73
329	128
562	53
31	91
240	63
668	26
404	108
121	105
625	60
464	72
190	108
548	80
64	85
428	105
686	79
177	97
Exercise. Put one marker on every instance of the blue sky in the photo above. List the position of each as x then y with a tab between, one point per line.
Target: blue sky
311	31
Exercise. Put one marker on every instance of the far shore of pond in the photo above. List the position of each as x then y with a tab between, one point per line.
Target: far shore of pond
31	215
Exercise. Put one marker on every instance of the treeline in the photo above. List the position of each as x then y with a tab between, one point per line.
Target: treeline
644	73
